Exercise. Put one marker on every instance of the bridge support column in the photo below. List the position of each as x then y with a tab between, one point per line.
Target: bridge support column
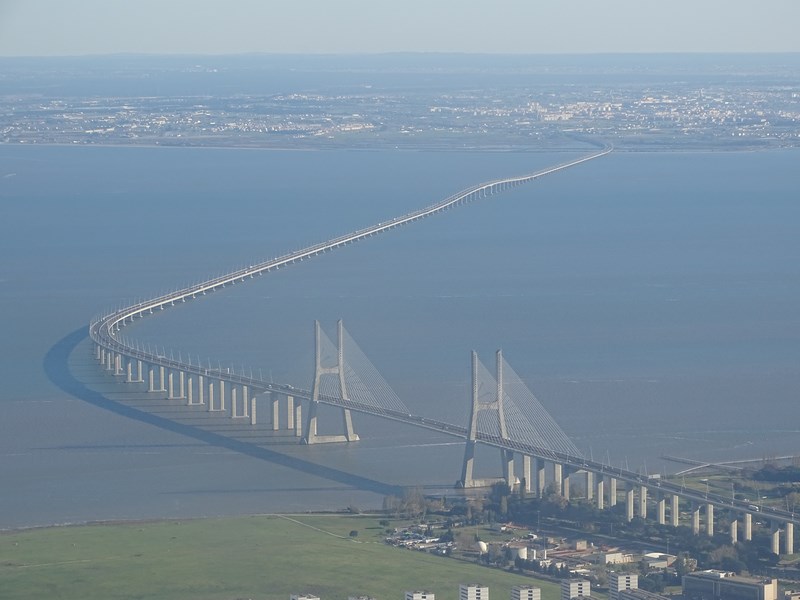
253	409
349	435
612	491
565	487
274	399
507	456
674	511
151	376
695	520
107	360
789	541
600	494
527	483
139	372
775	538
201	389
234	401
245	401
589	486
161	387
748	527
540	478
734	531
171	385
211	396
662	511
558	476
289	412
190	391
710	520
129	371
298	420
98	352
221	395
643	502
181	384
629	504
118	364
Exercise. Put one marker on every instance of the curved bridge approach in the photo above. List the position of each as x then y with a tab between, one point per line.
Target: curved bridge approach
197	384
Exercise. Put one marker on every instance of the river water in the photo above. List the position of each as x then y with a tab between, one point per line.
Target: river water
649	301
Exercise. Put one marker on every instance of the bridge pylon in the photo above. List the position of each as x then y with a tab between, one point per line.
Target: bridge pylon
311	436
496	405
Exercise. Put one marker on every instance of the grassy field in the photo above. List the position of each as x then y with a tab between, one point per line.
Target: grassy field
260	557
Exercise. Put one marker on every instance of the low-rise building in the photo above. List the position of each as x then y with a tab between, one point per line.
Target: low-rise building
618	582
575	588
526	592
722	585
473	591
420	595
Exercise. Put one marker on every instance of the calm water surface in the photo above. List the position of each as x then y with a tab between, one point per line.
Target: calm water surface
649	301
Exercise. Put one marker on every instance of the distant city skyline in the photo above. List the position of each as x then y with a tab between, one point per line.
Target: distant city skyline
87	27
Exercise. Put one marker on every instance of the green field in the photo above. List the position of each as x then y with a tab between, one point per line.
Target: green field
259	557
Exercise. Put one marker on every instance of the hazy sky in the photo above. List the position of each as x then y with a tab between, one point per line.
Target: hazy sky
61	27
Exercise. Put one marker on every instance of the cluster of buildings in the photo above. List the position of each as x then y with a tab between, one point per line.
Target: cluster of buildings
466	591
678	112
700	585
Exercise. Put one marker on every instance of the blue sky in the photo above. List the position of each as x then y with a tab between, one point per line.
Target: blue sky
77	27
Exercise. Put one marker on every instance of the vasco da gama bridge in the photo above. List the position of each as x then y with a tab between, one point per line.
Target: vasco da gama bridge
503	414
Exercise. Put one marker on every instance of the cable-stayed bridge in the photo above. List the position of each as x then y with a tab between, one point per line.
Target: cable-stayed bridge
504	414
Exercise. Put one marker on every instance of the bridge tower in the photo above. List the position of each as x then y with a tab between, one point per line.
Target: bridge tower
507	456
349	434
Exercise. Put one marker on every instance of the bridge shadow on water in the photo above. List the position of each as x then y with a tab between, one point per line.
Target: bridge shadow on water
56	366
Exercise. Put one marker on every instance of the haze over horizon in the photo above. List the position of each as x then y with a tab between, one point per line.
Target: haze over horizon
99	27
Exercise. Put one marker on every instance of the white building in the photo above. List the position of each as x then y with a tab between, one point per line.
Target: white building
618	582
473	591
303	597
574	588
420	595
526	592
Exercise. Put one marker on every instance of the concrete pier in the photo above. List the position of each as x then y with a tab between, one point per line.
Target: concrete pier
748	527
709	520
507	456
210	395
612	491
643	502
290	422
589	485
253	409
201	389
662	511
789	542
675	511
600	493
775	538
527	484
629	504
565	487
734	531
696	520
540	478
558	476
274	400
